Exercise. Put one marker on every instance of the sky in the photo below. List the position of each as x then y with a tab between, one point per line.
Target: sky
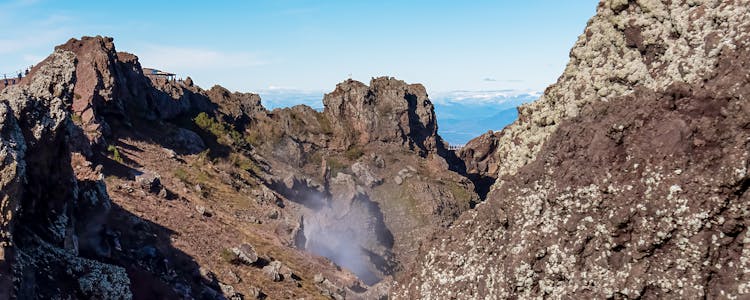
312	45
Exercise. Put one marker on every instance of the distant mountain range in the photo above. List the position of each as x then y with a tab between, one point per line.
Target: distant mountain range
462	115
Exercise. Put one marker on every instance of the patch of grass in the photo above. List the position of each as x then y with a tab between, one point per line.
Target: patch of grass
253	137
245	163
460	193
115	153
182	175
228	256
354	152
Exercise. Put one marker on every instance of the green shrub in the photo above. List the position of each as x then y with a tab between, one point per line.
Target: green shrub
315	158
253	138
223	132
115	153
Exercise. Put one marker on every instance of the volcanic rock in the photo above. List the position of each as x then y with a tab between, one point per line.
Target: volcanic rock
245	254
627	175
365	175
389	110
272	271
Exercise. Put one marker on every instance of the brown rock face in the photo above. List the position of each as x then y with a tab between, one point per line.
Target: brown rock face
237	108
479	161
643	195
105	80
48	210
388	111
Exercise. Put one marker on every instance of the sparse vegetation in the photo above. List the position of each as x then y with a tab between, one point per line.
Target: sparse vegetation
253	137
224	133
244	163
325	124
315	158
460	193
181	174
228	256
115	153
354	152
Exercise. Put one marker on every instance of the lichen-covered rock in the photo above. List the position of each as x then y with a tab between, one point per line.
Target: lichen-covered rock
44	205
272	271
365	175
245	254
625	45
643	195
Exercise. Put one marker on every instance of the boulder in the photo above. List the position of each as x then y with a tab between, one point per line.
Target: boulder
273	271
245	254
184	141
149	182
362	171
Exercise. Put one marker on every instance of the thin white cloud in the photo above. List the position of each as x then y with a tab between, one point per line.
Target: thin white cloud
21	48
496	96
185	58
33	39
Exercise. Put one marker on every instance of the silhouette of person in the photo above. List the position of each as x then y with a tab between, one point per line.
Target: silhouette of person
26	73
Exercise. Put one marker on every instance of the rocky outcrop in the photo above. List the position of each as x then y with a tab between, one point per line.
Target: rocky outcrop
105	82
627	44
237	108
478	161
389	111
626	180
478	155
48	210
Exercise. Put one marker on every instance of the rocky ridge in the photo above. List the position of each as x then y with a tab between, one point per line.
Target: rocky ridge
145	187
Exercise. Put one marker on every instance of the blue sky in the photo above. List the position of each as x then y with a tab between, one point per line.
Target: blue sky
311	45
